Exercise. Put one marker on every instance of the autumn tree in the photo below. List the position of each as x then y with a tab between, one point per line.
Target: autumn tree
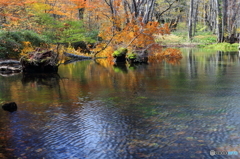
128	24
80	5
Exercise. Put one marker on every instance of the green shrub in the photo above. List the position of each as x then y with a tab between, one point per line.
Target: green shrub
223	47
9	46
11	43
34	38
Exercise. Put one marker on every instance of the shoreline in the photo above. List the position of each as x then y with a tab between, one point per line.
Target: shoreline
181	45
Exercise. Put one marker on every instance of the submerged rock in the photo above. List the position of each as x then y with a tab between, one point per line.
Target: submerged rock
11	107
120	55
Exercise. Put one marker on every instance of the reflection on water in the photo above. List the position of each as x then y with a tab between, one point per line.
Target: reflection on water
95	110
51	79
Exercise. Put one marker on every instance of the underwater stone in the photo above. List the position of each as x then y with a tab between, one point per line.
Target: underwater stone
11	107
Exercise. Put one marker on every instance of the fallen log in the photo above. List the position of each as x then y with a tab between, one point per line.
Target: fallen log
10	68
73	60
8	74
80	57
9	62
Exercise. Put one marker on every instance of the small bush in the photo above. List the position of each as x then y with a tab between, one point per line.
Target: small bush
9	47
34	38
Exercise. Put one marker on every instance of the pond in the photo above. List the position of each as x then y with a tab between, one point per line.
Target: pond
92	110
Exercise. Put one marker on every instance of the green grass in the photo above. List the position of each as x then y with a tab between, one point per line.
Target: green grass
205	40
223	47
181	37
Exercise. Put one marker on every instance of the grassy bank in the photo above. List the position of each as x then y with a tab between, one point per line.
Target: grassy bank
223	46
204	39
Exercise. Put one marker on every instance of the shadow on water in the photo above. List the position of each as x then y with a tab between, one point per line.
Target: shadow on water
97	110
50	79
120	68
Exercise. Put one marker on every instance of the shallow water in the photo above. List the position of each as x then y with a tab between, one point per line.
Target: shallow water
93	110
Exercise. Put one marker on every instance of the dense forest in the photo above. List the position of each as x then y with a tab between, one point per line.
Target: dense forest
108	24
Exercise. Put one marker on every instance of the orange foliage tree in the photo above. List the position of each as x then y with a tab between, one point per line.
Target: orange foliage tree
126	26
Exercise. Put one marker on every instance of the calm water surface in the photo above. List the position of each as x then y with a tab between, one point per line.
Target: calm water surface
95	111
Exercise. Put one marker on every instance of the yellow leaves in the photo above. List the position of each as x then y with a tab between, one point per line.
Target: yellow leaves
40	6
27	48
131	35
64	8
106	52
26	43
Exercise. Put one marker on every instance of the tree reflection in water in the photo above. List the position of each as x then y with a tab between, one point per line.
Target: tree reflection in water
97	110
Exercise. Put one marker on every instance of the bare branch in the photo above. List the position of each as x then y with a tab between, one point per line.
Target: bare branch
104	46
169	7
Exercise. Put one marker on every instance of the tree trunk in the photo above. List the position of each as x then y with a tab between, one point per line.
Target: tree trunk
219	22
80	13
148	11
195	19
224	18
190	21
